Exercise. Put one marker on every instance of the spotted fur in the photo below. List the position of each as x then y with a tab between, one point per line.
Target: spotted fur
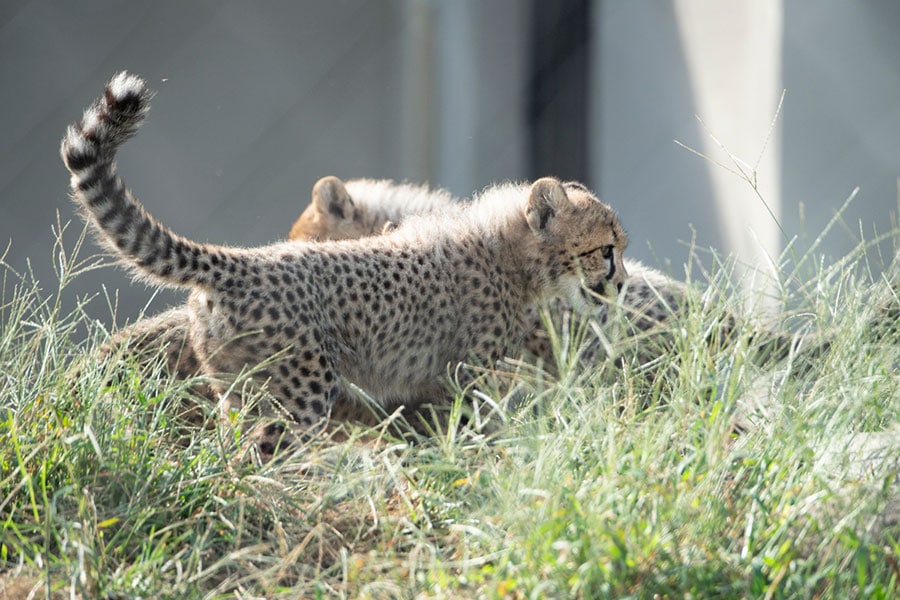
362	207
387	313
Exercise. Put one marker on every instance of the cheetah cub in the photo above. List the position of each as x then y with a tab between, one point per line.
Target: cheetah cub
361	207
386	313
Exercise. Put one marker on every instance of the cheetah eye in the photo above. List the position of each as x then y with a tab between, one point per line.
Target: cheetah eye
605	251
589	252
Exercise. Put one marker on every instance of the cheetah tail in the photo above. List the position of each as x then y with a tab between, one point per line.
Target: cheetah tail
88	150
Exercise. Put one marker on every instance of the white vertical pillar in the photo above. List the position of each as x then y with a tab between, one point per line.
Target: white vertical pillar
733	54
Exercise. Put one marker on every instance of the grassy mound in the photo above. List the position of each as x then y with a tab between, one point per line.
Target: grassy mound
708	472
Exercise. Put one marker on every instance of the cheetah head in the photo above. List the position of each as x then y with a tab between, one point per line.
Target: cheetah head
332	214
580	242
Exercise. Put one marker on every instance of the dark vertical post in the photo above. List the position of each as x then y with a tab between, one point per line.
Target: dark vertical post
558	98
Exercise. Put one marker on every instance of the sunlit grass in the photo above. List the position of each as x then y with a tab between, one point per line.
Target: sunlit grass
709	473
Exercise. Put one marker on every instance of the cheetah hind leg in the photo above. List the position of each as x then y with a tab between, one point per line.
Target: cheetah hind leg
295	410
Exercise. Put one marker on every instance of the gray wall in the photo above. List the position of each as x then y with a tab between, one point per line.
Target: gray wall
842	115
839	127
258	100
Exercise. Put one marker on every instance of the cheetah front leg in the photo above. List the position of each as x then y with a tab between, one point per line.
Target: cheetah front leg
491	341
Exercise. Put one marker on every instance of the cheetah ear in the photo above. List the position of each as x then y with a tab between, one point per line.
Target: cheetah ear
547	197
330	196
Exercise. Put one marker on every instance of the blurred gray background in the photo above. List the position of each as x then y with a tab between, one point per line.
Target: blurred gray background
256	101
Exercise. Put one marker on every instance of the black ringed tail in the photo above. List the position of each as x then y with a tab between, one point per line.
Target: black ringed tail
88	151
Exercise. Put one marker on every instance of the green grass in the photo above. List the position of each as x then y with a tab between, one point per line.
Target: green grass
607	482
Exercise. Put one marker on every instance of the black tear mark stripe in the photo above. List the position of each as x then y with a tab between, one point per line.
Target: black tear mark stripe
588	252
